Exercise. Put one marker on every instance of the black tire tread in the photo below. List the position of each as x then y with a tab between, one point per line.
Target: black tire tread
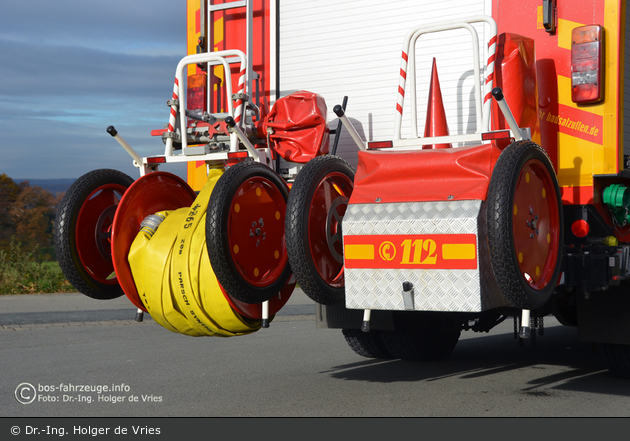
217	233
367	344
64	234
499	221
296	229
421	336
618	359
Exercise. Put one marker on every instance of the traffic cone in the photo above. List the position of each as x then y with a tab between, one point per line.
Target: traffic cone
436	117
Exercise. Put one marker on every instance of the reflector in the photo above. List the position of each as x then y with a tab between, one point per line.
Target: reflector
498	134
580	228
236	157
156	160
380	144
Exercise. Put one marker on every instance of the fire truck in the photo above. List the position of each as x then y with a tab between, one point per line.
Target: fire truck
419	169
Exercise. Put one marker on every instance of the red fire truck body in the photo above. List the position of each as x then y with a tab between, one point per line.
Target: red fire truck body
478	174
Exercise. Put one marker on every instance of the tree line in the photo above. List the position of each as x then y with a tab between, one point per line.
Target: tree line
27	216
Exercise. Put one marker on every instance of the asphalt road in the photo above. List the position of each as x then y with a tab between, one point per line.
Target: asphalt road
67	347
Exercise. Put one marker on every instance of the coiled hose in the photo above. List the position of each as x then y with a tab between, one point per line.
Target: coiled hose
175	281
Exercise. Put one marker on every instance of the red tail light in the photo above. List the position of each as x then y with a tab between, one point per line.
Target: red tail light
587	64
196	93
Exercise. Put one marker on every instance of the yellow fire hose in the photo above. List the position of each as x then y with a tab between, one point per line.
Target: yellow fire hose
175	281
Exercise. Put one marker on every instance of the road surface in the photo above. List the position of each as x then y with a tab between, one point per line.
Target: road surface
69	348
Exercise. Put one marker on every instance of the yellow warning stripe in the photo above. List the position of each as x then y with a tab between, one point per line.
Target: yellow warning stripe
458	251
359	251
565	27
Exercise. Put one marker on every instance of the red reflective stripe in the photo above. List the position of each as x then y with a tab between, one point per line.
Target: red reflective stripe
401	91
487	97
388	251
492	41
403	74
405	57
490	78
241	85
176	82
399	108
491	58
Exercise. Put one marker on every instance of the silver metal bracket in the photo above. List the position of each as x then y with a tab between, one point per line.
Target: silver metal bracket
265	314
408	292
197	150
240	96
365	325
524	332
172	135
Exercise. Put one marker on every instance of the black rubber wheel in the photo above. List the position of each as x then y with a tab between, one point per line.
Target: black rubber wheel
525	226
366	344
245	232
317	203
422	336
565	311
82	232
618	359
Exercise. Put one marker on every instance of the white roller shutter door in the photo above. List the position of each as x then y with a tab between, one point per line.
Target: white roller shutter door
353	47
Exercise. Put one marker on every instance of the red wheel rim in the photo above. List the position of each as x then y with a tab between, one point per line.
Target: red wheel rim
536	224
256	231
327	209
254	310
93	232
157	191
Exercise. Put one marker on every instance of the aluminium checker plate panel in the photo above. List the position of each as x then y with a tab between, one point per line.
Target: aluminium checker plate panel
452	290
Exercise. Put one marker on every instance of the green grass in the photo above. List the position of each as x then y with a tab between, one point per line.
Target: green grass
22	273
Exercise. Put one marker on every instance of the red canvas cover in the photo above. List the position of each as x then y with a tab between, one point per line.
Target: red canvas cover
426	175
515	74
300	128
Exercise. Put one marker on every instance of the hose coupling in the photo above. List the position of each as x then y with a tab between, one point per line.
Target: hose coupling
151	223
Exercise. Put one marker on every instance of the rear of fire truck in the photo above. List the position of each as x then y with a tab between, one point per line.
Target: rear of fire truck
441	235
402	231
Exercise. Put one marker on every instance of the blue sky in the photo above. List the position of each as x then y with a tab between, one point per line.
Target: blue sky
71	68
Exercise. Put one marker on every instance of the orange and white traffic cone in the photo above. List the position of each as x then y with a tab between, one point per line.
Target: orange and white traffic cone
436	117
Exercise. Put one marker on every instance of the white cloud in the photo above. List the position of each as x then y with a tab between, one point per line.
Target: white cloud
126	26
70	68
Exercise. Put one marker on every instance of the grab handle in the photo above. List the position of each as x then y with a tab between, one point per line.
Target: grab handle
348	125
